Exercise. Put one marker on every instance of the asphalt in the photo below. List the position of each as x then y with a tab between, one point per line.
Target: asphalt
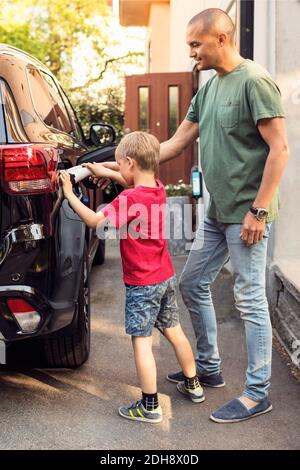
77	409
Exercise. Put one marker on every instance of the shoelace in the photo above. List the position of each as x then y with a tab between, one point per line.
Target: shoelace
193	387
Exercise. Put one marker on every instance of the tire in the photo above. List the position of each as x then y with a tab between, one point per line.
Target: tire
67	348
99	257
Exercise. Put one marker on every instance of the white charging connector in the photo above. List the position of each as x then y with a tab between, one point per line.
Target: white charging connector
79	172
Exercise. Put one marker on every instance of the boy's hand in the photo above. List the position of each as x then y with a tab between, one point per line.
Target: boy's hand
99	174
65	181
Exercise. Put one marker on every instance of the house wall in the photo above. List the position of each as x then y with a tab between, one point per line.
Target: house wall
284	265
181	11
159	38
167	34
287	240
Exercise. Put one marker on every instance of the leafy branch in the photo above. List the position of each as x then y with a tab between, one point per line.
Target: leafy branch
105	66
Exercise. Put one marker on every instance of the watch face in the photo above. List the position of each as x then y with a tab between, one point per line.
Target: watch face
261	214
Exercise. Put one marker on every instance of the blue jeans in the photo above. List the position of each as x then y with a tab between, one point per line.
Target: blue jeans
214	243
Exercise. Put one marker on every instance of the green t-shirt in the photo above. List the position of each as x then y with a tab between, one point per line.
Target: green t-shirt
233	153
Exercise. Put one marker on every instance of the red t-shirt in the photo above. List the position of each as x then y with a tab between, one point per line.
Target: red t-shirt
140	214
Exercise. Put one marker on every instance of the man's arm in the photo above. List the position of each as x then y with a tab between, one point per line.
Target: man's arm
185	135
98	170
274	134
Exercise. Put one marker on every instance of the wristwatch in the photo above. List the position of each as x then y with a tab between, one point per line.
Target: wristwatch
259	212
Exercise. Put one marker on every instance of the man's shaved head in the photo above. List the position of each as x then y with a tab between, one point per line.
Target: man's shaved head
214	21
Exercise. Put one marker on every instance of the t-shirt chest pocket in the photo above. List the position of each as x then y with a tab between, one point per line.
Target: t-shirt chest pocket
229	113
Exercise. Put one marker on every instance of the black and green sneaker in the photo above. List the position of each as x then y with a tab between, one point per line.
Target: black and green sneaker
137	412
195	394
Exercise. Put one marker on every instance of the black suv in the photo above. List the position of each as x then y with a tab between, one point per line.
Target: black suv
46	251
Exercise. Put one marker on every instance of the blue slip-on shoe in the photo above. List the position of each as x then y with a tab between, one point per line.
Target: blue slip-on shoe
234	411
213	381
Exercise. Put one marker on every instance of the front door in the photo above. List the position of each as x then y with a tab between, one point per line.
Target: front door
157	103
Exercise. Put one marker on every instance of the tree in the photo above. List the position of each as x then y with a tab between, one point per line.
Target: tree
107	108
49	29
81	35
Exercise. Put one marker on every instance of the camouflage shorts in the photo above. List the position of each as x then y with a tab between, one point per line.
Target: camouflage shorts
149	306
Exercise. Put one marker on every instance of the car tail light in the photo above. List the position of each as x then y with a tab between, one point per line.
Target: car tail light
28	169
26	316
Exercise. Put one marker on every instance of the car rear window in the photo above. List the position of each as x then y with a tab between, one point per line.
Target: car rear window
11	127
2	124
47	100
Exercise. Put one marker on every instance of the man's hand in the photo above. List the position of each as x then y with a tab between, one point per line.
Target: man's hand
252	230
66	184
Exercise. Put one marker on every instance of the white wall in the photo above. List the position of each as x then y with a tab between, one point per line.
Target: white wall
287	229
159	24
265	34
181	11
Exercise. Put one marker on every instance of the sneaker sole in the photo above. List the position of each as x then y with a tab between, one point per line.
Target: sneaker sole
144	420
201	383
173	380
212	386
224	421
194	400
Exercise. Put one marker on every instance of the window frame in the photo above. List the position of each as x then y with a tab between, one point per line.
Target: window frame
18	127
3	130
40	71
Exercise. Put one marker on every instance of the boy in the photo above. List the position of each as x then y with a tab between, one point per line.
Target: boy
147	267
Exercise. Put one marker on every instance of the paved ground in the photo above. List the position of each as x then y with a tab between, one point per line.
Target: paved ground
65	409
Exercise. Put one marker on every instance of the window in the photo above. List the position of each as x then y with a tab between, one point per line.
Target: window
173	110
48	101
76	129
9	117
144	108
2	125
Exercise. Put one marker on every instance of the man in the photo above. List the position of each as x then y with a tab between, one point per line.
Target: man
239	117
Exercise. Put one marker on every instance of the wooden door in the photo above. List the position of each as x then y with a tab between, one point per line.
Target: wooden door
157	103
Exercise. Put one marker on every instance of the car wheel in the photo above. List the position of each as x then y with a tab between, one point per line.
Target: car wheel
67	348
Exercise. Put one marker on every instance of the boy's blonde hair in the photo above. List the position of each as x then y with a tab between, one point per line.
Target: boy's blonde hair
142	147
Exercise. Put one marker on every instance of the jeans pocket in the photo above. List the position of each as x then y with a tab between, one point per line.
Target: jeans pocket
267	230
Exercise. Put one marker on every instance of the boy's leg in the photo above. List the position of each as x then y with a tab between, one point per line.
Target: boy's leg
147	409
184	353
183	350
142	302
145	363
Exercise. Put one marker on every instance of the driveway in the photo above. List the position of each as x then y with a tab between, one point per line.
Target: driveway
77	409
